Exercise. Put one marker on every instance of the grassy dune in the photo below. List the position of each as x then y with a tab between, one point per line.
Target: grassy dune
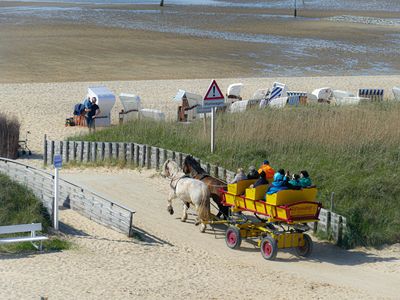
18	205
352	151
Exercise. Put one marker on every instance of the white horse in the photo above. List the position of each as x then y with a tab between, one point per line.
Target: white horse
190	191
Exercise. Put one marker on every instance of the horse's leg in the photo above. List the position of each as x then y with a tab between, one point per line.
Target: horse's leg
184	212
169	207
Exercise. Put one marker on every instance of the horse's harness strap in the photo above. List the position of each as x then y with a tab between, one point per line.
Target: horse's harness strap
172	180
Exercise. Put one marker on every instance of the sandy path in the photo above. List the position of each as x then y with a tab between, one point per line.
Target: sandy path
363	273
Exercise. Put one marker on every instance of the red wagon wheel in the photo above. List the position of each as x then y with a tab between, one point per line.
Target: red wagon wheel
269	248
232	237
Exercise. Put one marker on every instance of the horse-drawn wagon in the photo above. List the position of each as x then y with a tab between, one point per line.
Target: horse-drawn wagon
281	218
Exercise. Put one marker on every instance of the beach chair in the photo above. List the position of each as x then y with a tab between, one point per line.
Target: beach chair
396	93
278	102
296	98
372	94
278	90
239	106
233	91
154	114
324	95
131	105
339	95
260	94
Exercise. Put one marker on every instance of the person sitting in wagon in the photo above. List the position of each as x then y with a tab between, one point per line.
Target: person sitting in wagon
260	181
253	174
305	180
280	182
239	176
295	181
268	170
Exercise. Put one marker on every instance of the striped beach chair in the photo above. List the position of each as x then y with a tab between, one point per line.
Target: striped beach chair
277	91
296	98
373	94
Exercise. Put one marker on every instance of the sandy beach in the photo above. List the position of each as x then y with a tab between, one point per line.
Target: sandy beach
43	107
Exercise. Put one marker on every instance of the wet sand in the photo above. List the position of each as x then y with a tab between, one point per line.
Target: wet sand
197	42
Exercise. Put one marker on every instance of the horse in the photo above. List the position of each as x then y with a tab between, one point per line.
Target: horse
190	191
193	168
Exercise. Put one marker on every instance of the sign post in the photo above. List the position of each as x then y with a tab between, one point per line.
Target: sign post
213	98
57	166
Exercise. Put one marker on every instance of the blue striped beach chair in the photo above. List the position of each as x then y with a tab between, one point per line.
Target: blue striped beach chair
278	90
373	94
294	97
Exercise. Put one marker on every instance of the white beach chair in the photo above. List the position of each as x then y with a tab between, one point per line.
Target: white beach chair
339	95
323	94
396	93
239	106
278	102
154	114
131	104
372	94
233	91
260	94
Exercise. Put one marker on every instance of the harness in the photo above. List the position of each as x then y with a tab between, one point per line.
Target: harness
177	180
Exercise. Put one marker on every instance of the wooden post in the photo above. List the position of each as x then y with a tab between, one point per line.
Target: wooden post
100	151
129	154
86	152
45	150
73	147
93	154
80	152
122	152
148	156
51	152
157	158
66	151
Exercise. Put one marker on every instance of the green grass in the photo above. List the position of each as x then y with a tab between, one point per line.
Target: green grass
352	151
18	205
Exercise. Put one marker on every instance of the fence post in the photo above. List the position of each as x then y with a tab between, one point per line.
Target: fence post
80	151
114	150
122	152
51	152
129	154
72	147
136	155
93	154
86	152
66	151
45	150
157	158
148	156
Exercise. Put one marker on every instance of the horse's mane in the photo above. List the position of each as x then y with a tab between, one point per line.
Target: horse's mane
194	164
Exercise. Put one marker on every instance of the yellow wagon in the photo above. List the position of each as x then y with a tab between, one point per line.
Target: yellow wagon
281	217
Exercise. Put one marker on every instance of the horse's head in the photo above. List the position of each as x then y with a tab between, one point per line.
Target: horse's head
192	166
169	168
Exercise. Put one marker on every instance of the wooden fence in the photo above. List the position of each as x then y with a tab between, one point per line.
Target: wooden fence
150	157
85	202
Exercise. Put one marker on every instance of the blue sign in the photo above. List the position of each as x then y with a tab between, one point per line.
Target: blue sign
203	110
57	161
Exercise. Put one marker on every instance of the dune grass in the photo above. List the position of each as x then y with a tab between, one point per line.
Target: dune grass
352	151
9	136
18	205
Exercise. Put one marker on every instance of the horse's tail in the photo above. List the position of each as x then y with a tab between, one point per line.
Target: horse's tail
203	210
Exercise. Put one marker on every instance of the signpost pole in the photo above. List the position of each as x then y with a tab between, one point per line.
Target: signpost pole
212	129
57	166
55	219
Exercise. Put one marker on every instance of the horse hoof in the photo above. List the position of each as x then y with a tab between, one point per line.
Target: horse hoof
170	210
197	223
183	219
203	228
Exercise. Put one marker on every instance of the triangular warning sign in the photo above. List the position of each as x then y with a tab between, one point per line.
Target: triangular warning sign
213	92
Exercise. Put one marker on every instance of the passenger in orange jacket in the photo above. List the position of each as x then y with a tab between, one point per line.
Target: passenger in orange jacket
268	170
